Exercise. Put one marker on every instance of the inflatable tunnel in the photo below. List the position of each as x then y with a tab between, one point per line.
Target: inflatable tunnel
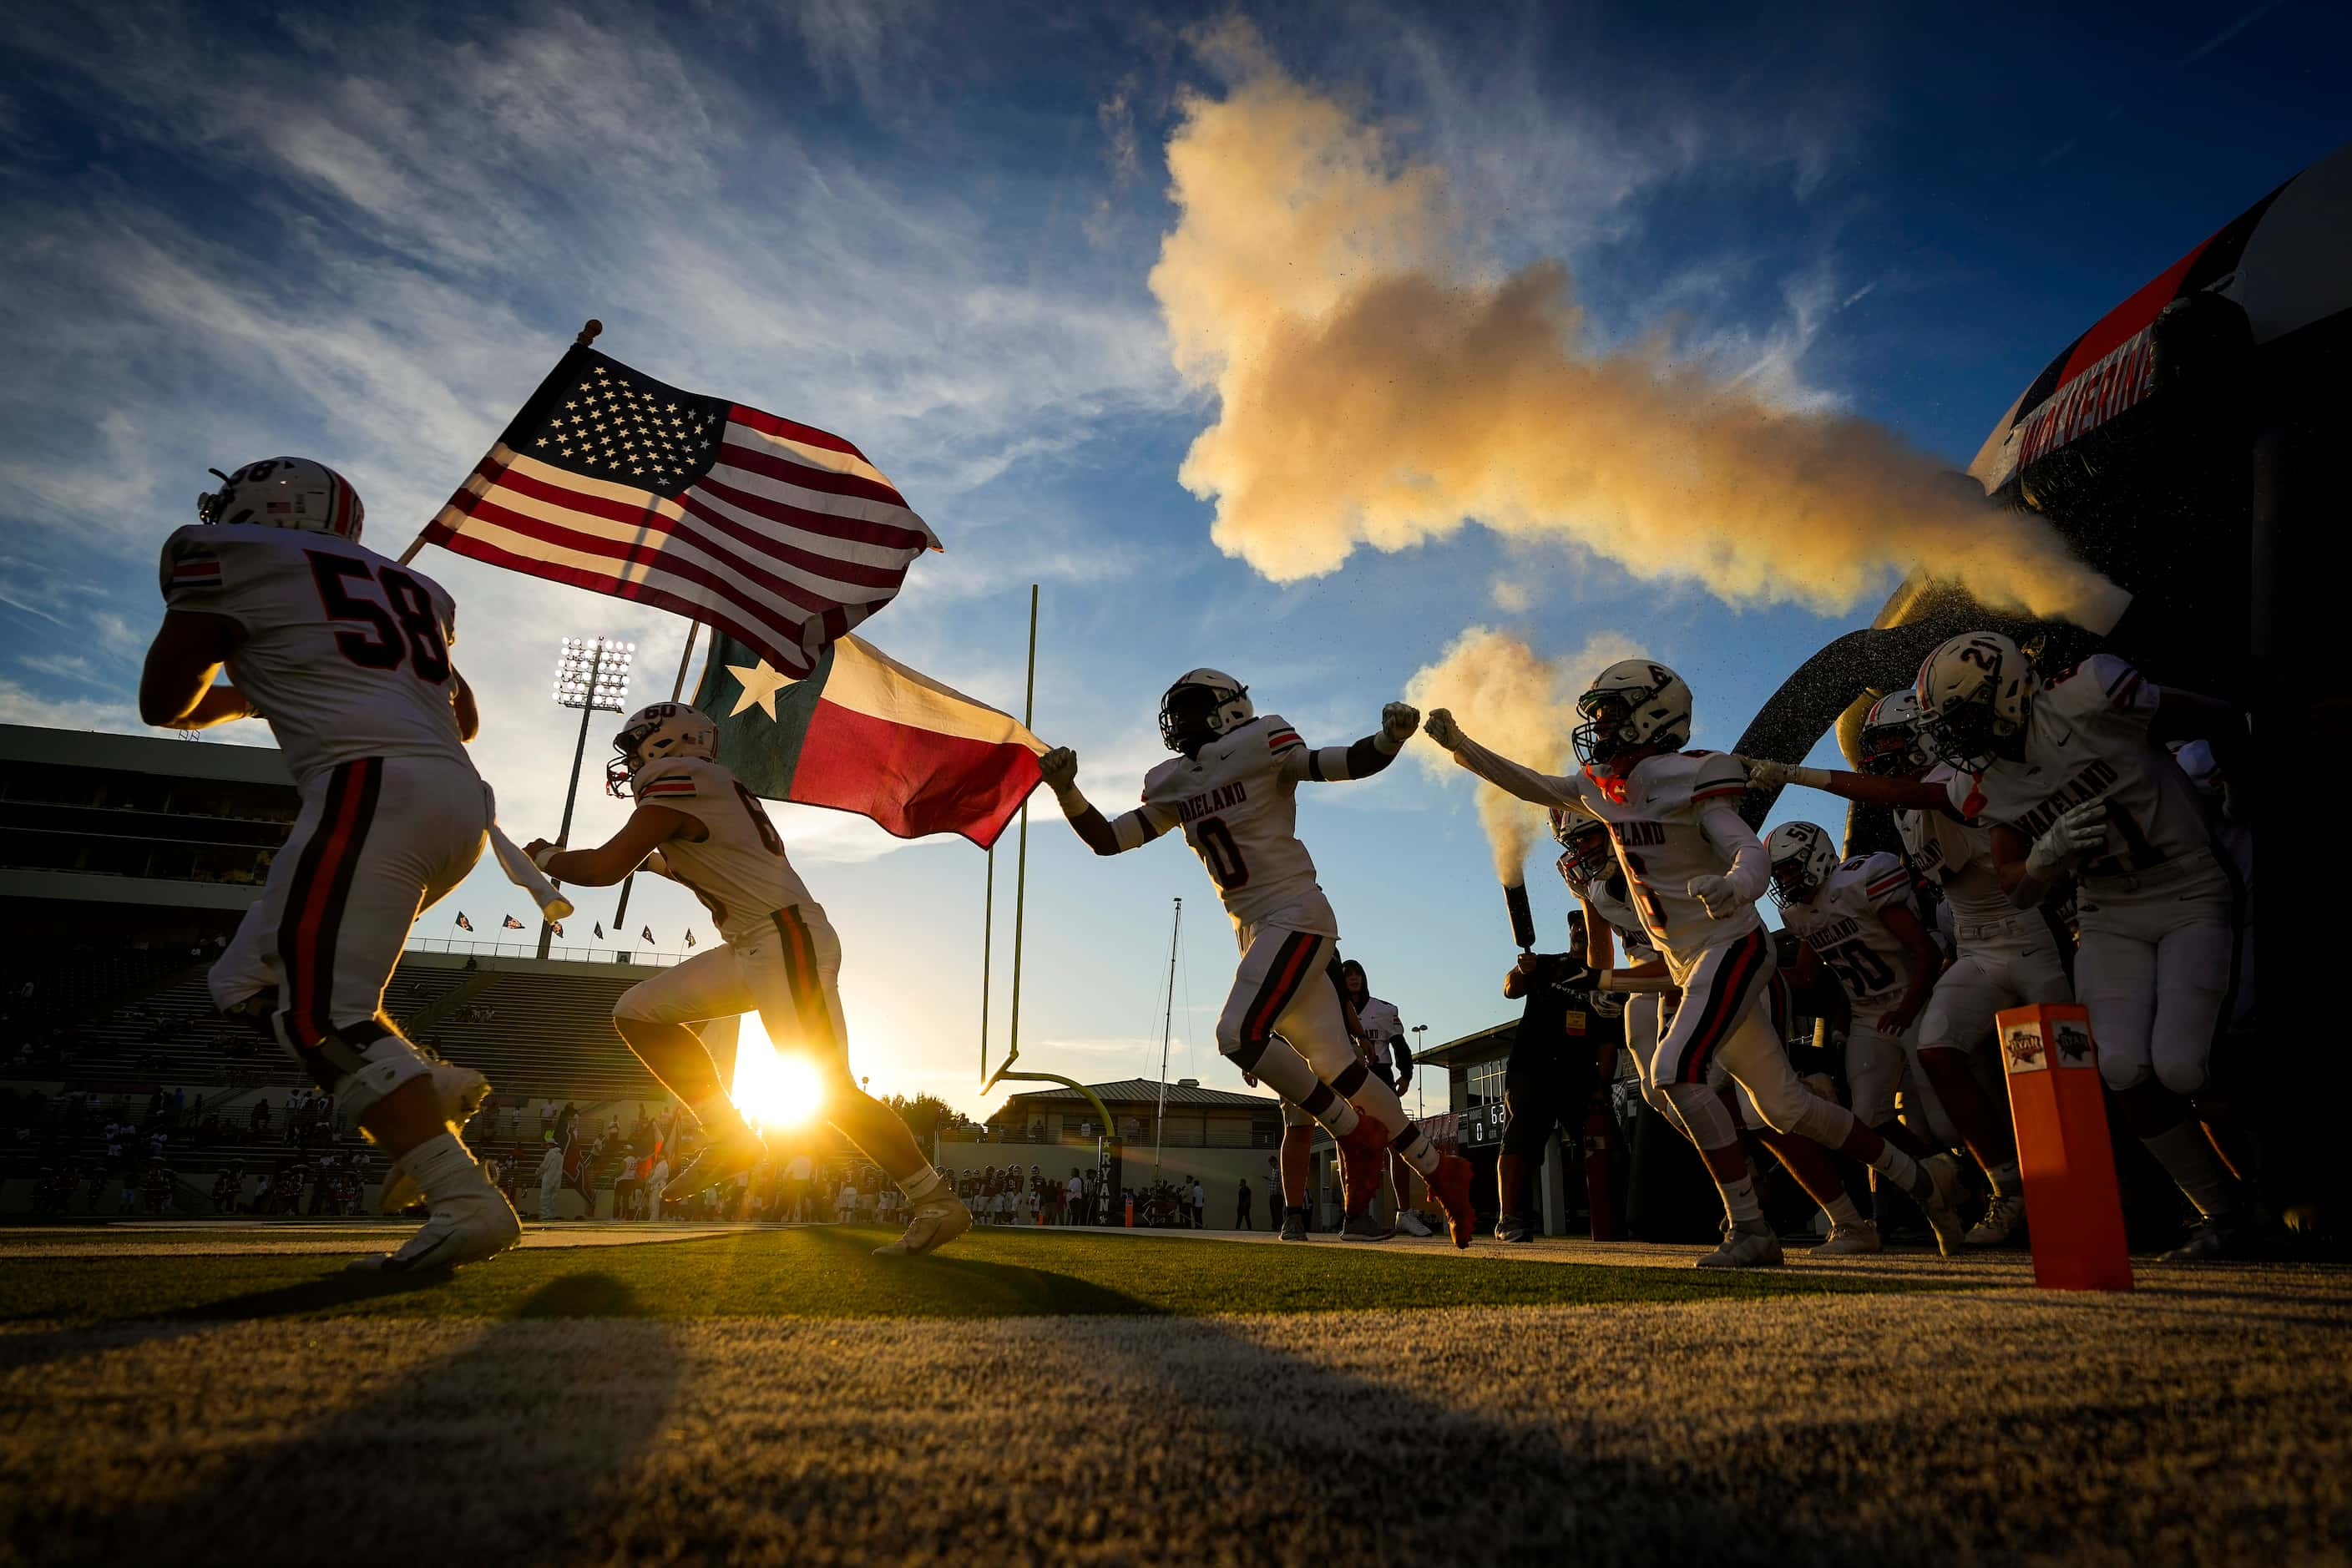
2180	445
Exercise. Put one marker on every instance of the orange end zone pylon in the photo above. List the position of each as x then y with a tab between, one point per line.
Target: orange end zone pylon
2072	1203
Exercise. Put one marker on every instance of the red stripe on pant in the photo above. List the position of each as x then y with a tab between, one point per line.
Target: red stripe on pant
326	866
1722	1007
801	974
1289	968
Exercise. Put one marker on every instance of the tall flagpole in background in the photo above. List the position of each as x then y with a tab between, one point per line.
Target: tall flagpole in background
693	631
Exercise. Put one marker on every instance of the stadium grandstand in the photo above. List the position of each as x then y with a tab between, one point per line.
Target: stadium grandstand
125	865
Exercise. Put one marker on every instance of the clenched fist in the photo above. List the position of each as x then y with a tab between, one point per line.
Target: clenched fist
1763	773
1717	893
1060	768
1441	728
1398	723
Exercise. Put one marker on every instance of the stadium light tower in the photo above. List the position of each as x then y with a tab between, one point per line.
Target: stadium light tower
1419	1030
592	674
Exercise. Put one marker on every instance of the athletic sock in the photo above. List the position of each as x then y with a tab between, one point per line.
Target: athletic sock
2006	1181
921	1185
1739	1200
1842	1211
443	1168
1338	1117
1899	1168
2190	1160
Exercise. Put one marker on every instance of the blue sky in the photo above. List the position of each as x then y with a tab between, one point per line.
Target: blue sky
362	236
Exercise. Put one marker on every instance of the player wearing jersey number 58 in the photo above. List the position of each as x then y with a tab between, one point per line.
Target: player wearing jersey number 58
696	824
347	655
1233	788
1695	868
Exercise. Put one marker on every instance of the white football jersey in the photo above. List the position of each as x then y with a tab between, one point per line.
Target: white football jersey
1383	1025
2087	740
1238	802
740	871
1654	818
346	653
1956	857
1611	899
1844	923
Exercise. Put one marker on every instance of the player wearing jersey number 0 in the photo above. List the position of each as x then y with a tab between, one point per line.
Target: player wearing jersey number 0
347	655
1695	869
696	824
1232	789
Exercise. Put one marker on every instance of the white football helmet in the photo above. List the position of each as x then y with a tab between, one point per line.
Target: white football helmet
1802	858
285	492
1974	693
656	733
1634	702
1588	851
1203	705
1889	742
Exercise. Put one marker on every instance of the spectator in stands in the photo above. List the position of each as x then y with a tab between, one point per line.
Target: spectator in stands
845	1202
796	1188
1074	1198
653	1185
260	1122
550	1178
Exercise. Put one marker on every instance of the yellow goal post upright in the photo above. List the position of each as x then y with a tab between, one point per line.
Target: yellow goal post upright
1004	1072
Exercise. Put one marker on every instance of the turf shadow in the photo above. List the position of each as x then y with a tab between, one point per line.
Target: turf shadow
1006	1290
454	1432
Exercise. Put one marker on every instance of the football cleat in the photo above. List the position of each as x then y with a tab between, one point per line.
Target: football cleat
1364	1159
2219	1240
725	1157
1999	1222
1511	1227
1938	1187
1750	1245
1451	1185
1294	1226
939	1219
464	1227
461	1091
1365	1226
1851	1240
1412	1224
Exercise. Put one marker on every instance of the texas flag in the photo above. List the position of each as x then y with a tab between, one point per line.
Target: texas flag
865	734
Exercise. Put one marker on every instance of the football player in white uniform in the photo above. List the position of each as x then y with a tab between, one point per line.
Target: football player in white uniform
1855	918
1695	869
1588	864
2074	778
1233	788
697	824
2005	957
1381	1034
346	655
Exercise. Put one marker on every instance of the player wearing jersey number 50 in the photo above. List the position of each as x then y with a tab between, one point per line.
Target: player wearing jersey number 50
696	824
1233	788
347	655
1694	869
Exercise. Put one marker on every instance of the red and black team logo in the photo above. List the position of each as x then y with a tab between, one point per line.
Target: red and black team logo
2023	1049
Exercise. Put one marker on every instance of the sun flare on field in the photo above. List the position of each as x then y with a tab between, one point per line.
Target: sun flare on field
773	1088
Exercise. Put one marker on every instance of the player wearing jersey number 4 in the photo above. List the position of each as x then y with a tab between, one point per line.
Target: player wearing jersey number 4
1695	869
2073	779
346	653
697	824
1233	788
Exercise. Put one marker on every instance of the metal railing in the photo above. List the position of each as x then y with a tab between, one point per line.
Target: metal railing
531	950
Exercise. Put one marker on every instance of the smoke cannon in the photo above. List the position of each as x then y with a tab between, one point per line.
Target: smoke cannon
1523	917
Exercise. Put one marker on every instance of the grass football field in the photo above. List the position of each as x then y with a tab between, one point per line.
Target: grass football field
226	1394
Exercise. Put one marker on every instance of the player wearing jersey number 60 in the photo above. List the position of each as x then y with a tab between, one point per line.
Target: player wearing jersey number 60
1233	788
1695	868
696	824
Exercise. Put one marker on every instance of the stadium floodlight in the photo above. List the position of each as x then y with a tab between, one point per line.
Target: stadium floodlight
592	674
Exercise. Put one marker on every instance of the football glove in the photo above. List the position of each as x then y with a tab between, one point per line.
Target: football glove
2081	831
1441	728
1059	768
1763	773
1717	893
1398	723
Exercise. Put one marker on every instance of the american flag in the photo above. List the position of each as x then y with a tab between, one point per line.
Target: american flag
608	480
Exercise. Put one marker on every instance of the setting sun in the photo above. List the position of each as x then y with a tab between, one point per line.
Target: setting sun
773	1088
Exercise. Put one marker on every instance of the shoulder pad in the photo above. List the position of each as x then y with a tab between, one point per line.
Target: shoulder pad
678	780
1715	774
191	561
1279	735
1159	775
